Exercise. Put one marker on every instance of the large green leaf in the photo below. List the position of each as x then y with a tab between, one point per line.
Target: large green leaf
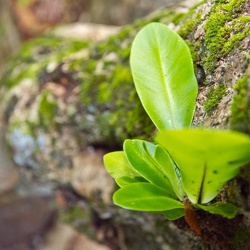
206	159
140	159
118	166
164	78
145	197
225	209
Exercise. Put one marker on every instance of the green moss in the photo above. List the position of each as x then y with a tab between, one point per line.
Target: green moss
178	18
24	2
240	23
214	96
221	36
47	109
2	31
240	114
79	218
72	214
26	127
186	29
165	15
105	82
241	27
189	26
103	77
35	55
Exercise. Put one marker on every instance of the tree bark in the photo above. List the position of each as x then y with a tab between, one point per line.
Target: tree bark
65	107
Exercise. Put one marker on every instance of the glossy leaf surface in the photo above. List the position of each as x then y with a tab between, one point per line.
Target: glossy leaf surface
206	159
118	166
169	169
164	78
140	159
125	180
145	197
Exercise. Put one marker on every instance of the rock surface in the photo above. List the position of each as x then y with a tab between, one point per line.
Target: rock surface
64	96
64	237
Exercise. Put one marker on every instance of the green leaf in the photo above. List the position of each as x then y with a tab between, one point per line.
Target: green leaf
174	214
125	180
206	159
118	166
160	157
139	158
170	170
164	78
145	197
224	209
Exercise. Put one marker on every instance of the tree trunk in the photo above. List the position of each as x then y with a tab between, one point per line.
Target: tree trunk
65	102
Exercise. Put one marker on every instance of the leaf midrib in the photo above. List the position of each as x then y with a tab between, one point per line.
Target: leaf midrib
164	81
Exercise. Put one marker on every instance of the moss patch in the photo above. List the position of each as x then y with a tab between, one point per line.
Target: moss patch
79	217
108	108
214	96
35	55
240	117
47	109
189	26
24	2
222	35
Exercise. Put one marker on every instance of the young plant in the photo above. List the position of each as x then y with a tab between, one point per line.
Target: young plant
184	169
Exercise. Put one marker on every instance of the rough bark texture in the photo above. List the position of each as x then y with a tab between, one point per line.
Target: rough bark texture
66	102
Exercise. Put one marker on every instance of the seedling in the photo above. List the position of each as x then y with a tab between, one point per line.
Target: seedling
185	168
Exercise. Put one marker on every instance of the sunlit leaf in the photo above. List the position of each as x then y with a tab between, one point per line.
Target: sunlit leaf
225	209
206	159
125	180
169	169
164	78
118	166
140	160
145	197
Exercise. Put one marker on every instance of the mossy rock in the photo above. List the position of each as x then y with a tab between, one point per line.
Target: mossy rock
57	84
60	96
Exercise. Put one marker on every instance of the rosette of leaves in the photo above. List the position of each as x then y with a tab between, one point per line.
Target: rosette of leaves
185	168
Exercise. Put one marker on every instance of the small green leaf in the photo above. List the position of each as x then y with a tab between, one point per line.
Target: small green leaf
142	162
170	170
206	159
145	197
225	209
174	214
160	157
163	73
118	166
125	180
